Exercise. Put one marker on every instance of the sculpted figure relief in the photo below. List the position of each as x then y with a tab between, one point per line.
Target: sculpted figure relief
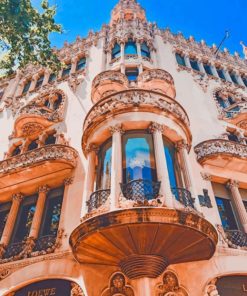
170	286
118	287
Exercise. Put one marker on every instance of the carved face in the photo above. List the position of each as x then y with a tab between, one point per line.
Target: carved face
118	281
170	280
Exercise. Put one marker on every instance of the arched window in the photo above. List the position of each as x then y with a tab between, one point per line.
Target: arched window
145	52
66	70
39	82
208	69
221	73
221	102
57	102
232	137
138	157
104	167
116	51
33	145
26	87
130	48
81	64
233	77
51	139
16	151
194	64
52	78
180	59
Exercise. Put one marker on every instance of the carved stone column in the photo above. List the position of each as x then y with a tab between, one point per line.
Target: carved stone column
37	218
33	82
161	164
187	61
182	149
14	85
238	203
108	59
73	65
47	74
227	75
116	165
200	64
122	58
10	223
91	150
214	71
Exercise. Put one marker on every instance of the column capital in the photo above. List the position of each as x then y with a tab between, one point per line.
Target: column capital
206	176
116	129
68	181
232	184
181	145
92	147
154	127
43	188
18	197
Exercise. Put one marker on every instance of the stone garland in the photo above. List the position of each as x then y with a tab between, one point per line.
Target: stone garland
51	152
220	146
136	98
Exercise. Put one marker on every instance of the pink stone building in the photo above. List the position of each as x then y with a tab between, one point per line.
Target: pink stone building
126	174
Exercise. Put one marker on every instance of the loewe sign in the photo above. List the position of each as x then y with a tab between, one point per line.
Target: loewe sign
46	288
232	286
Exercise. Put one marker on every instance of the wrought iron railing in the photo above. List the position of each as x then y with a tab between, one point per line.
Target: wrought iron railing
45	242
183	196
237	237
97	199
141	190
14	249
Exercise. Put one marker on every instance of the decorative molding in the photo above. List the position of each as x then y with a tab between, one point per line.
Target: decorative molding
92	148
116	129
156	127
232	184
68	181
206	176
76	290
18	197
44	189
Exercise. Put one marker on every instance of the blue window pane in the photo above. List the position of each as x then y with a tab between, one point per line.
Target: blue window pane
130	48
170	159
222	102
104	172
221	73
138	157
116	51
233	78
208	69
81	64
244	78
39	81
231	101
132	74
194	64
66	71
4	211
180	59
232	137
226	214
26	87
145	52
52	78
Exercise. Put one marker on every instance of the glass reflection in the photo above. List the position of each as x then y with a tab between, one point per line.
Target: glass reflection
104	168
138	157
226	214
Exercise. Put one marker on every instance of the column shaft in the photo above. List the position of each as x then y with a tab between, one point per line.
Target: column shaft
9	226
37	218
67	183
161	165
116	166
238	203
122	59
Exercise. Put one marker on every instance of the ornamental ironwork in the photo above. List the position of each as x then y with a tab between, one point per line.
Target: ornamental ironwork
14	249
237	237
219	147
183	196
97	199
141	190
45	242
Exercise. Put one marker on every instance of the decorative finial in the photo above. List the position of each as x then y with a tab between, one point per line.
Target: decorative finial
244	49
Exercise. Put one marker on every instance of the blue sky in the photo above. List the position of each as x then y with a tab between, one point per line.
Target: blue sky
204	19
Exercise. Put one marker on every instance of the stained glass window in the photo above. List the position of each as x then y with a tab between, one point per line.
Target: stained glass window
226	214
180	59
104	168
4	211
130	47
26	87
25	218
138	157
52	212
116	51
81	64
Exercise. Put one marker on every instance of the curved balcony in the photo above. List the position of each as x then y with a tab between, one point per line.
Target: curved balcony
143	240
157	80
98	199
37	163
237	115
223	153
135	100
183	196
106	83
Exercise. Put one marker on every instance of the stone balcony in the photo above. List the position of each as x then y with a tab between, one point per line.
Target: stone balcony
223	154
236	115
134	100
37	164
157	80
106	83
